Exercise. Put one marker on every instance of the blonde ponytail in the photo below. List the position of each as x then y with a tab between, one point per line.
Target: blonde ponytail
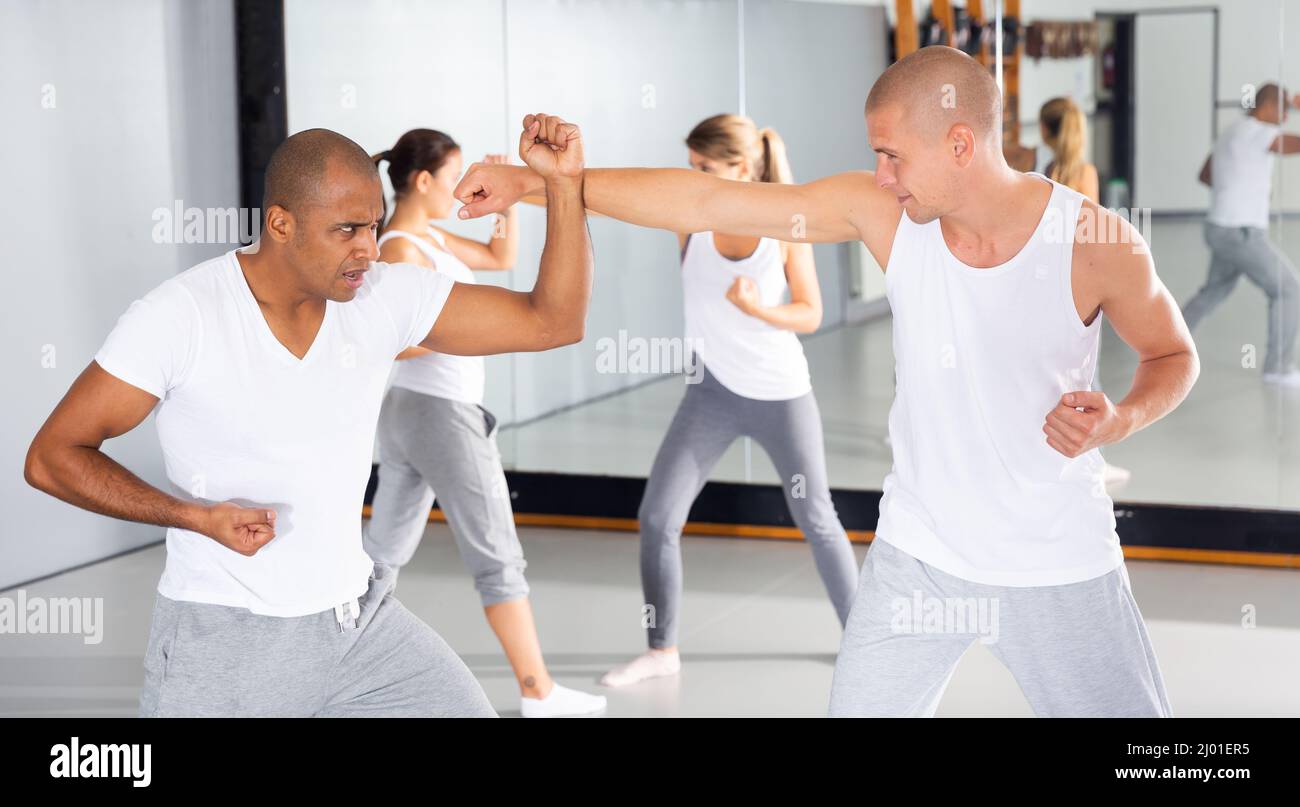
1066	135
776	166
734	139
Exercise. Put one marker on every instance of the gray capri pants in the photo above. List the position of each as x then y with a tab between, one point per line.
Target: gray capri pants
430	445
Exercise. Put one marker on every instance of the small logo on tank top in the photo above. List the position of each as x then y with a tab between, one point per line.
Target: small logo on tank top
1040	272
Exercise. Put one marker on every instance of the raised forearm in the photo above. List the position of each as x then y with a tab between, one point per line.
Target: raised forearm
684	201
504	244
666	198
559	298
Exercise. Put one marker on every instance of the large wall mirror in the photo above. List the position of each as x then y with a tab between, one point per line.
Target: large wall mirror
1147	118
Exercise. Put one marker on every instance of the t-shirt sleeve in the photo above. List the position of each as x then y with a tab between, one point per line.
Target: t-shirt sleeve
153	343
1263	134
414	296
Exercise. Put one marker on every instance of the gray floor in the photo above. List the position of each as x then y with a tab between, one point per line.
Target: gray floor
759	636
1233	442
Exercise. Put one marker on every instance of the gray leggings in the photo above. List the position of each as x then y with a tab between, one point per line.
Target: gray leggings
709	419
1248	251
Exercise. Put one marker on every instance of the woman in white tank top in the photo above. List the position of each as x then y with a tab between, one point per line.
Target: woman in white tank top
752	381
435	437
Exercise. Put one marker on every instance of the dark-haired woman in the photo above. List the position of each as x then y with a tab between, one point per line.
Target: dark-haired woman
435	437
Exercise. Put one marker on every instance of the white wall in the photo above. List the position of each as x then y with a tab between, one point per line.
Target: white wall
143	114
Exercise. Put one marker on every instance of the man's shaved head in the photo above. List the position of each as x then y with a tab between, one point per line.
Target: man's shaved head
1267	94
323	207
939	87
297	169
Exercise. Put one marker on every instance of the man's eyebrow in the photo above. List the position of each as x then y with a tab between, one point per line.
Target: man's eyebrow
356	223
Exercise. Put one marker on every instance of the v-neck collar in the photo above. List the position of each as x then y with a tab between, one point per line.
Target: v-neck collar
267	336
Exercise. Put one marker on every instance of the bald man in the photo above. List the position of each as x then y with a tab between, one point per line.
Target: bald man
266	367
994	524
1239	172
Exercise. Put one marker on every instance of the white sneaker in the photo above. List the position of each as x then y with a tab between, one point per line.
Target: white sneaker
1291	378
651	664
562	702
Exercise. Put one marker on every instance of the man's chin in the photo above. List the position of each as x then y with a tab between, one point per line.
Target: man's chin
920	216
342	294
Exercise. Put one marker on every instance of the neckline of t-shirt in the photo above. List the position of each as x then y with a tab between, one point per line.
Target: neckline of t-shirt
1014	260
265	334
751	256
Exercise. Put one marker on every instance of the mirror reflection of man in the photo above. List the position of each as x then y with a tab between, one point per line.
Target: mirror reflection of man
1236	228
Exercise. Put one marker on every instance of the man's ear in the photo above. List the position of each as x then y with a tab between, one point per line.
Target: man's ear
280	224
962	142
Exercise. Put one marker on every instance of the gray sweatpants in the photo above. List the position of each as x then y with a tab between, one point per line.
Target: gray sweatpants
435	446
1076	650
1248	251
708	420
215	661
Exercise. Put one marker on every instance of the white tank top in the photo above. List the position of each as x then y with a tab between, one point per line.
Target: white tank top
458	378
981	357
747	355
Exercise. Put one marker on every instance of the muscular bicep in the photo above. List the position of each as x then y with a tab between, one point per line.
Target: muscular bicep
1140	308
97	407
483	320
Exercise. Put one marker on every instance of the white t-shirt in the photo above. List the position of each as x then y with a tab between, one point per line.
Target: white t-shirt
1241	173
242	419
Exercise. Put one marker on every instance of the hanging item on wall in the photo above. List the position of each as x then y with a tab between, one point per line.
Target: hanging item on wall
1060	39
974	36
1010	35
966	32
933	32
1108	67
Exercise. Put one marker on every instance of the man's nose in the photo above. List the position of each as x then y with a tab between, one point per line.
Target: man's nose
370	249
